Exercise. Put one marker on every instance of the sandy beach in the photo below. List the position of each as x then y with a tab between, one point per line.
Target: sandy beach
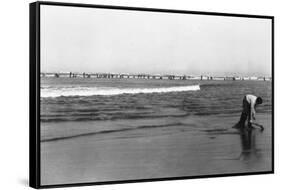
152	153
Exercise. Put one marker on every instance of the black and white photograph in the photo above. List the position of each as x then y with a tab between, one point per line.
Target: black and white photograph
128	94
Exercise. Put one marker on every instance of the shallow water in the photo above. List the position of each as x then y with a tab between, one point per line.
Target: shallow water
71	107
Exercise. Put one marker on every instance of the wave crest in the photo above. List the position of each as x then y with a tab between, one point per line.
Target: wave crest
91	91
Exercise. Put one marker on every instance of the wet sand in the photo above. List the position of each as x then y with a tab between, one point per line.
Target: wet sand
211	146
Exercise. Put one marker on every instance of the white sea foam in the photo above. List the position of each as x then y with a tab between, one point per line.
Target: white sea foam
91	91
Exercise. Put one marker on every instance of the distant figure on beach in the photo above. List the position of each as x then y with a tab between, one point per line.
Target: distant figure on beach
250	103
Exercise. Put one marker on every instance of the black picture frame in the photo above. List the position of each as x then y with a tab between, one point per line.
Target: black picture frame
34	99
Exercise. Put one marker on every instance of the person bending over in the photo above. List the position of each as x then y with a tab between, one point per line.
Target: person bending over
250	103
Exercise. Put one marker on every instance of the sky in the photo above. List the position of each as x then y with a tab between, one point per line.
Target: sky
80	39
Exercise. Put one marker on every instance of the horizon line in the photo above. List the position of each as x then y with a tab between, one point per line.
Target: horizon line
175	74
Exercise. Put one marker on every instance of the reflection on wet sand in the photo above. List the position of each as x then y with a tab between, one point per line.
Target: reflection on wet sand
248	144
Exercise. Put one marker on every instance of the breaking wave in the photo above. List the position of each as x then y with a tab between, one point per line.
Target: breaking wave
106	91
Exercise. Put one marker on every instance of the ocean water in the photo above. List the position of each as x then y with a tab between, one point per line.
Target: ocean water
73	107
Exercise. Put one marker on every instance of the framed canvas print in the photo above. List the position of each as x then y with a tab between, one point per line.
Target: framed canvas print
126	94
